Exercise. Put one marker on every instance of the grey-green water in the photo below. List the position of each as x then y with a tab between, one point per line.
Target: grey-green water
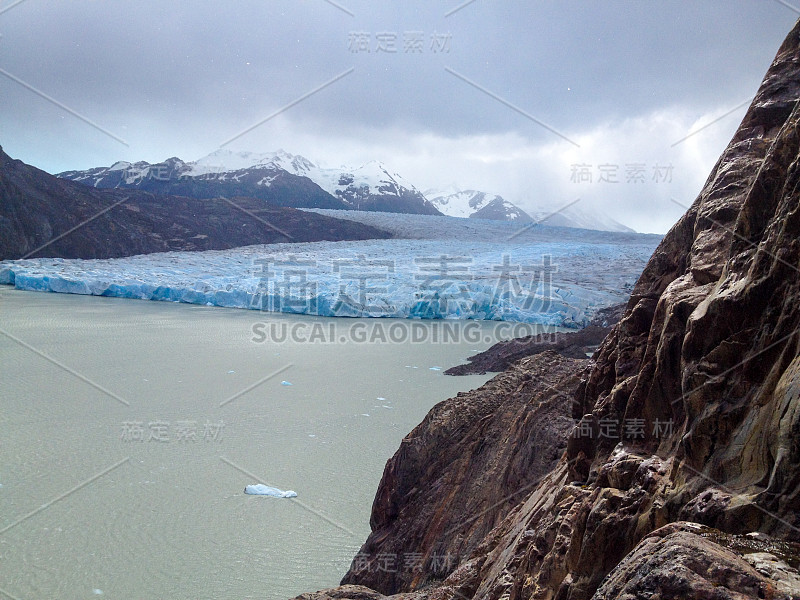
128	430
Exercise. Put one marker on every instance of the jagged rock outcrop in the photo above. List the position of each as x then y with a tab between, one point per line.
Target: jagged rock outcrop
691	412
573	344
682	561
345	592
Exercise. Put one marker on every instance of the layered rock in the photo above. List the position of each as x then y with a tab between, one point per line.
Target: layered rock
690	412
683	562
459	472
573	344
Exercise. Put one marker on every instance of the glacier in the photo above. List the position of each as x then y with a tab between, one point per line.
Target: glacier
551	276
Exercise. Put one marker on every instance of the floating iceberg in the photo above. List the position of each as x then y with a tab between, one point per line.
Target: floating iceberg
259	489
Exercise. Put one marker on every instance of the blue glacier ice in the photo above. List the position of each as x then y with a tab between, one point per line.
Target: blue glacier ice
553	276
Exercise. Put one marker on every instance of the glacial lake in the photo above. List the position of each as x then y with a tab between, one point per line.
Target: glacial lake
129	429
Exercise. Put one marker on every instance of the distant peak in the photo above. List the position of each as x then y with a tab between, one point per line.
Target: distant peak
224	159
372	163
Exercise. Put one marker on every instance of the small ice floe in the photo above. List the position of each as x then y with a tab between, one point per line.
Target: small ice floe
97	592
435	369
231	372
387	406
285	383
364	414
259	489
381	399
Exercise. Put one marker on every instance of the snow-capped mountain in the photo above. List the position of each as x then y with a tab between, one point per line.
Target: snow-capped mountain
38	211
475	205
285	179
579	216
481	205
373	187
244	175
368	187
280	178
222	161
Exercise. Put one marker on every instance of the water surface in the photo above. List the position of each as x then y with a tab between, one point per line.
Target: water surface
128	430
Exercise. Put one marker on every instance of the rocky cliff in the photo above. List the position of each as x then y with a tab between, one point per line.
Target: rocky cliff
681	475
574	344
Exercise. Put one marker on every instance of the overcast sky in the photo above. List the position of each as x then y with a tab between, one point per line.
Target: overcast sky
503	96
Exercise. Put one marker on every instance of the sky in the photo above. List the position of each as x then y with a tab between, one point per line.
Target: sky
621	107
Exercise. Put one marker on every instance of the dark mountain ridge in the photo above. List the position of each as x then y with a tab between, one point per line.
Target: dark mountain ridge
280	178
42	215
171	178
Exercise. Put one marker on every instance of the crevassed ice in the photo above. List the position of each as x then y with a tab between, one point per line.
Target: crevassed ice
424	279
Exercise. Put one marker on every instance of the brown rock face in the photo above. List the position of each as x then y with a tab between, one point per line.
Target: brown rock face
700	381
710	337
677	563
345	592
459	472
575	344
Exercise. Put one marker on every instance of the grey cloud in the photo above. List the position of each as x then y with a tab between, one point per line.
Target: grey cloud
176	78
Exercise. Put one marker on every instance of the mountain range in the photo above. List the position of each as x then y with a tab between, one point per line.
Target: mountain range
279	178
474	204
42	215
284	179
